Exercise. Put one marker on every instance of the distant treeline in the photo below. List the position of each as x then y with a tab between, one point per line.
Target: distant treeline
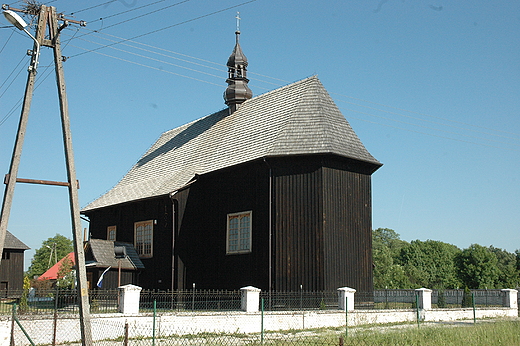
399	264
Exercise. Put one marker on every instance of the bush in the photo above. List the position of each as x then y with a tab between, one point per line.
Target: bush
441	299
467	298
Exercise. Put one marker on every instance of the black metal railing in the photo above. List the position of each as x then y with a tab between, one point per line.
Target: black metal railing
300	300
190	300
107	301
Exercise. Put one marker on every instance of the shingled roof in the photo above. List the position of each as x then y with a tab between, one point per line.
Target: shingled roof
297	119
101	253
13	243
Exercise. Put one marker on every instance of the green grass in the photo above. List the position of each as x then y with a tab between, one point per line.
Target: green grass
484	333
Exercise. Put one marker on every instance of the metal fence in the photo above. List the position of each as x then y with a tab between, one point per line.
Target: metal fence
107	301
190	300
203	317
299	301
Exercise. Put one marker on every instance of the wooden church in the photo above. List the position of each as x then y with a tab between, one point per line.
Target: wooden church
273	191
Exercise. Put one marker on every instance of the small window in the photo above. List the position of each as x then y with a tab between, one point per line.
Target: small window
238	233
111	232
6	255
143	238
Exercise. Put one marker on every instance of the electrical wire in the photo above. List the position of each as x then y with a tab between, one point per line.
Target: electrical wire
153	68
39	82
124	42
222	68
14	69
92	7
424	114
7	41
429	121
355	104
153	59
138	8
167	27
428	134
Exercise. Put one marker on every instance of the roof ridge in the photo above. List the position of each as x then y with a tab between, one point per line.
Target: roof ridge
283	87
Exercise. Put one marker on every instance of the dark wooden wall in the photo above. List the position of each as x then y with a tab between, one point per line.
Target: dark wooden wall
320	223
11	269
347	230
298	224
158	269
323	223
201	241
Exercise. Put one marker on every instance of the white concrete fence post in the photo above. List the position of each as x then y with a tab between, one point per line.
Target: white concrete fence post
129	296
346	298
510	298
250	299
425	298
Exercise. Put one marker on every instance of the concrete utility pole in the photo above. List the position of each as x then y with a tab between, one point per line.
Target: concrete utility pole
48	19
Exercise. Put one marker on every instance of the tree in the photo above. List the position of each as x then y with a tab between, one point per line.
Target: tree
507	270
387	274
385	247
44	257
477	267
66	276
430	264
389	238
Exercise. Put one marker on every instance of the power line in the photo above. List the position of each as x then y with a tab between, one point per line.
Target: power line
92	7
356	104
167	27
169	56
153	68
429	121
430	134
12	81
122	41
40	82
135	9
426	127
153	59
427	115
7	41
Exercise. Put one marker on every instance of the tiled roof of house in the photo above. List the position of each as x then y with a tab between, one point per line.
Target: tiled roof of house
101	253
297	119
52	272
11	242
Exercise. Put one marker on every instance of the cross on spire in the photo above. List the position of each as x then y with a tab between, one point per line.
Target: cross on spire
238	21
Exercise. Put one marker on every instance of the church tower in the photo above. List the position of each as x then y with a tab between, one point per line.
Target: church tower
237	91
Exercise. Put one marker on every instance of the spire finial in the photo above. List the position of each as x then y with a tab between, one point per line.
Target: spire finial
238	21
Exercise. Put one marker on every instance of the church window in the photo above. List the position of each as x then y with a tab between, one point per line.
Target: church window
111	233
143	238
238	233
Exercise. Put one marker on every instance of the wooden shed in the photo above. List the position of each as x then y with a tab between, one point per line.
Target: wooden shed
11	266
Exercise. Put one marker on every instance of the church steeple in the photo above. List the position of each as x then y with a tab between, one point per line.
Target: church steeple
237	91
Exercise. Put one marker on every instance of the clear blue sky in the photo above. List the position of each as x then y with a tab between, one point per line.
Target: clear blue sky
431	88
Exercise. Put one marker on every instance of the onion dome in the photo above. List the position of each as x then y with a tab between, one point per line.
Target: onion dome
237	91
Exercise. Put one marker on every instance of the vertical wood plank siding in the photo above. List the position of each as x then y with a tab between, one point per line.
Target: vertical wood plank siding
347	229
323	225
11	270
298	230
157	273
